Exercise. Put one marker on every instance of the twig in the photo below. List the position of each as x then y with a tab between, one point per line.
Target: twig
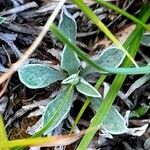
34	45
7	82
19	8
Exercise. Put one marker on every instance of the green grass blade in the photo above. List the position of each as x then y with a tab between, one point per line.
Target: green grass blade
102	27
124	13
87	59
114	89
50	141
3	133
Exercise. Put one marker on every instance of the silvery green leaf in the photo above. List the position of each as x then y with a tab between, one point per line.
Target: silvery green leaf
110	57
113	123
57	109
38	75
146	39
96	102
87	89
147	144
68	25
2	19
72	79
69	61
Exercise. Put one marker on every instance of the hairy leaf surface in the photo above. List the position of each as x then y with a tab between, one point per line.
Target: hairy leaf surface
87	89
57	109
38	75
110	57
113	123
69	60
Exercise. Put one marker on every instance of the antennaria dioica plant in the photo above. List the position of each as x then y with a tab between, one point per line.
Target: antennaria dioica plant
72	76
40	75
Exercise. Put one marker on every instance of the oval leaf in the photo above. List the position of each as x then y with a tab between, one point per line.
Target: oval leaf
110	57
113	123
87	89
67	25
69	61
146	39
38	75
57	109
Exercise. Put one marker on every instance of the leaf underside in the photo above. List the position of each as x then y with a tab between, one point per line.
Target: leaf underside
39	75
69	61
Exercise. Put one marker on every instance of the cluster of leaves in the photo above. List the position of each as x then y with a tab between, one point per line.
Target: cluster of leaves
72	75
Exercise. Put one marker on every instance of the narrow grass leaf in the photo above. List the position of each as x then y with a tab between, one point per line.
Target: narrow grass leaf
87	89
68	26
38	75
123	12
99	82
3	133
50	141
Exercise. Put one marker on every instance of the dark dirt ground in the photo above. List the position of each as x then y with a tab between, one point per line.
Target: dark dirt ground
24	27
